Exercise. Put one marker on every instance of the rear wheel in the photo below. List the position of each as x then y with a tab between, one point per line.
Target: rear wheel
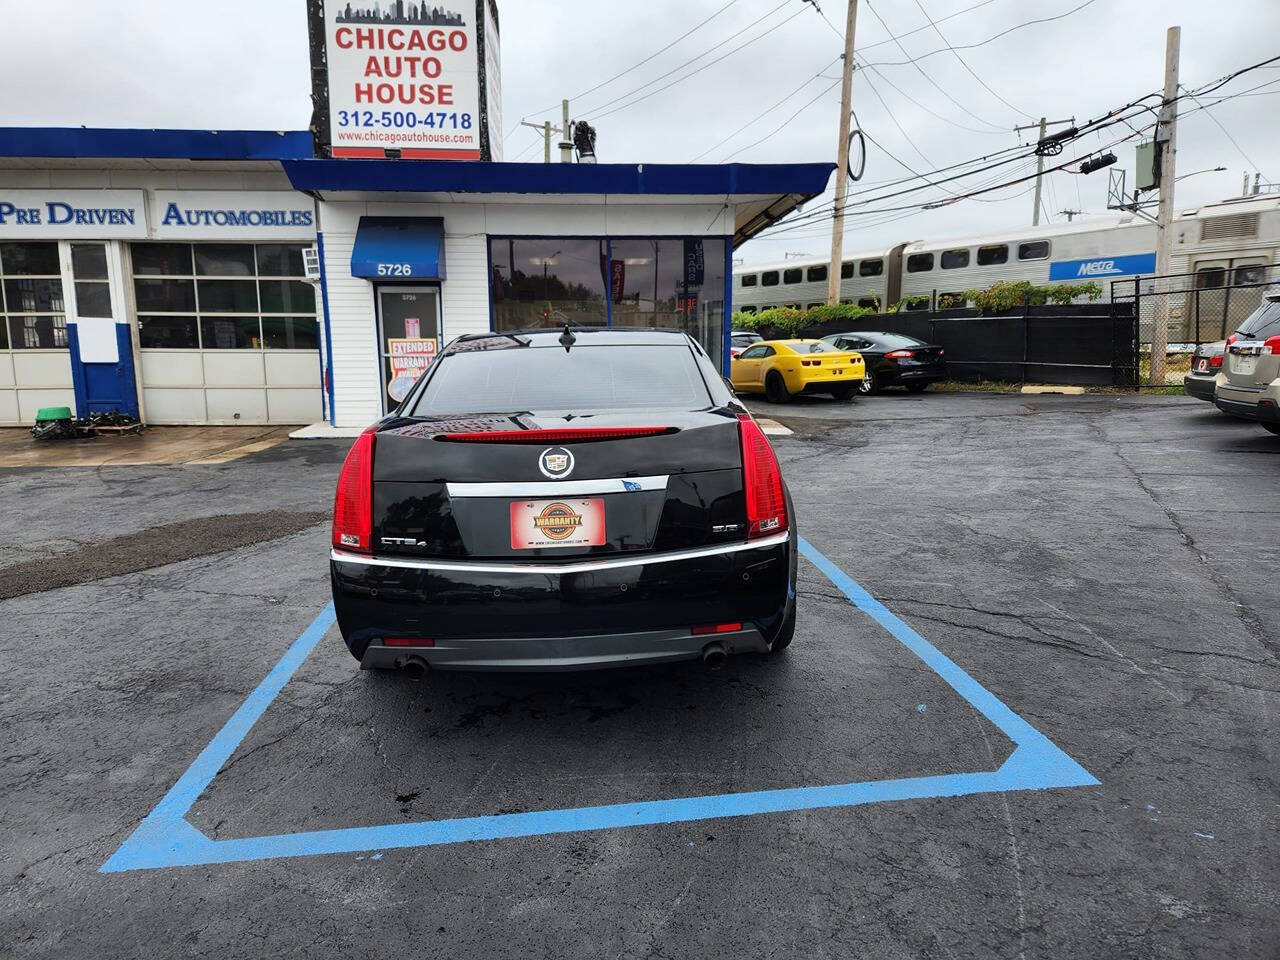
775	388
844	394
1273	427
917	387
869	384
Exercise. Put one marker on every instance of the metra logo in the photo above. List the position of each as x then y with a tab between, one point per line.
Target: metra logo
1097	268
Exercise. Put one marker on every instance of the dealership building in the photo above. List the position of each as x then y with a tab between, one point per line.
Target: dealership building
234	277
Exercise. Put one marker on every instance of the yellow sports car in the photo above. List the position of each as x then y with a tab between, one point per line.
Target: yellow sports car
781	368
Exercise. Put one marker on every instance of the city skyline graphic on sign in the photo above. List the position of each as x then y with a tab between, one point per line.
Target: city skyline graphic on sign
400	12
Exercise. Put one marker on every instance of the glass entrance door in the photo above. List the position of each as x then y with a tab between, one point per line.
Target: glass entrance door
408	333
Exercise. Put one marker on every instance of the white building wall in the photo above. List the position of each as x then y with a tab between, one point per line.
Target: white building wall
464	307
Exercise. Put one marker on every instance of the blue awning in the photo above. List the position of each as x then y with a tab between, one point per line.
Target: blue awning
399	248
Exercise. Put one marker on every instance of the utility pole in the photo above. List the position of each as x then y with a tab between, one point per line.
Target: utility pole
1035	212
546	129
842	158
566	145
1166	141
1070	214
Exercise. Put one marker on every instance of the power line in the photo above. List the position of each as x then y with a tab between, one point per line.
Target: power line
779	128
983	43
602	111
964	63
652	56
760	116
920	70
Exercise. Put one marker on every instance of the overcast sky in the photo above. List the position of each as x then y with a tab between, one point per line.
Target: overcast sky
243	64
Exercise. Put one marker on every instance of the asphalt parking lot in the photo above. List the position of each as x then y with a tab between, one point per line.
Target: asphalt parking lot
1090	581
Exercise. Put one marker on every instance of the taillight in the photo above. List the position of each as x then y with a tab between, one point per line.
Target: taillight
1232	339
568	435
1215	361
941	351
715	628
1272	346
900	354
353	502
762	481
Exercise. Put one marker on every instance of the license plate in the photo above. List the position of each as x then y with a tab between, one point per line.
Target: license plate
1202	365
571	522
1245	365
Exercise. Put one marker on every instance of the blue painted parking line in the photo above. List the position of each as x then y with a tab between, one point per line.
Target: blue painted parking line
166	839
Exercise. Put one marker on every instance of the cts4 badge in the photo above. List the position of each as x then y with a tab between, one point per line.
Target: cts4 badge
555	462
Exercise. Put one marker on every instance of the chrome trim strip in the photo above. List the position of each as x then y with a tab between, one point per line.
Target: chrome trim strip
555	488
581	566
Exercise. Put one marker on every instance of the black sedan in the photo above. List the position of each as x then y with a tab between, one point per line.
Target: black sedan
894	359
560	500
1206	364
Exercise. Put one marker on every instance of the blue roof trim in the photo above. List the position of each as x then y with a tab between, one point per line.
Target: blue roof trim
400	247
454	176
155	144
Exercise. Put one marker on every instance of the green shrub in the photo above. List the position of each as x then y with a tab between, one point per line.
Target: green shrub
789	321
1011	294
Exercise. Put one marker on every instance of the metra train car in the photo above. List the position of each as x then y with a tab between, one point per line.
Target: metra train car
1231	242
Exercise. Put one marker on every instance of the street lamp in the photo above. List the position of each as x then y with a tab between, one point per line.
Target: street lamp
1195	172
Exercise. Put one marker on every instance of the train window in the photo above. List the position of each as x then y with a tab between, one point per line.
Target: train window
747	309
846	270
1034	250
954	259
812	305
792	276
919	262
869	303
749	279
870	268
996	253
769	278
1253	273
950	301
1211	277
816	274
916	303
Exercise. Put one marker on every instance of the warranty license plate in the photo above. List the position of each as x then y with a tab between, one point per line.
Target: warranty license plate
570	522
1245	365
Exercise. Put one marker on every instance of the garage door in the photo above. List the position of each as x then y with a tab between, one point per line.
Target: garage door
227	333
35	367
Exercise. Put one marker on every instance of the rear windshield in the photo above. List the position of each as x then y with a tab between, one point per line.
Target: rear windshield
897	340
1263	323
585	380
812	347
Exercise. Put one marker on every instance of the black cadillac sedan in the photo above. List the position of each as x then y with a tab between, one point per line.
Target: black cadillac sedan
894	359
563	500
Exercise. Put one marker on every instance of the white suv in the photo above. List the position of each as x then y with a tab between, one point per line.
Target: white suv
1249	384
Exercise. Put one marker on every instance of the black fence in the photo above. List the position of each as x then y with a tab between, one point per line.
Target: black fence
1079	344
1196	308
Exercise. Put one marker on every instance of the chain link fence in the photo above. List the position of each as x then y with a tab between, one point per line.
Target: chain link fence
1196	308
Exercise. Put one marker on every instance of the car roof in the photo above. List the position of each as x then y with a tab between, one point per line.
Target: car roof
586	336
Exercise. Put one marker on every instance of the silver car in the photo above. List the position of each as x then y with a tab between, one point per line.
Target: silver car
1249	384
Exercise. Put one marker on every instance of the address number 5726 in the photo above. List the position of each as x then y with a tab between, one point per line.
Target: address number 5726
395	270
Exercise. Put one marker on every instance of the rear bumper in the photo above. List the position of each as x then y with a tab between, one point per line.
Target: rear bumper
1237	401
611	611
562	653
924	373
1199	387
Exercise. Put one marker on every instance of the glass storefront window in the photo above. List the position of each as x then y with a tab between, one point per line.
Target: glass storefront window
644	282
547	283
32	307
223	296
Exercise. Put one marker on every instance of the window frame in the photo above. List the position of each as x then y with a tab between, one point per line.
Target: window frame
766	274
816	274
788	273
199	316
7	316
960	254
750	279
1024	244
865	268
920	257
990	247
